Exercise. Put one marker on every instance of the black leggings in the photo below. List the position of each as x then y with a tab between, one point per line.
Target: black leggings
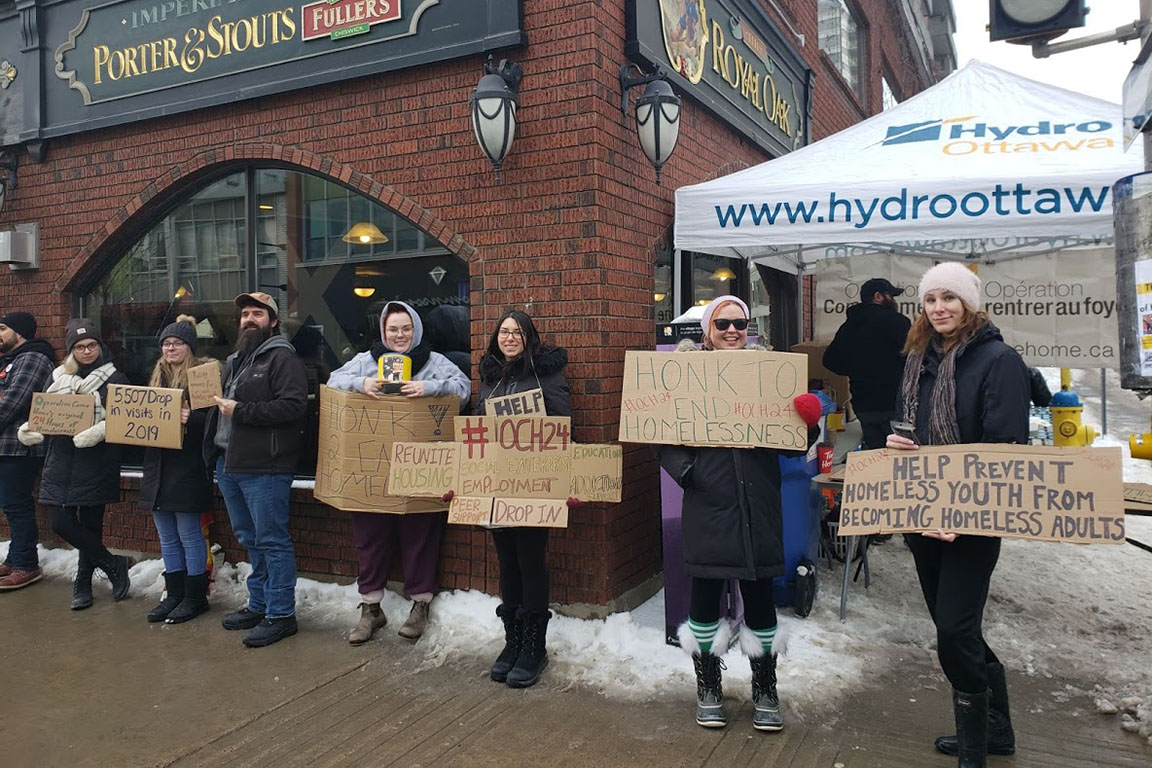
759	607
954	577
83	528
523	566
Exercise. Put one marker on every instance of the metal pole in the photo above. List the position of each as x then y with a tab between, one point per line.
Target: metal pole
1103	401
1145	31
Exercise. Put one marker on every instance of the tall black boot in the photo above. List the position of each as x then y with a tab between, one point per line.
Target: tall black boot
533	658
173	594
971	711
116	567
766	703
1001	738
513	635
195	600
82	586
710	711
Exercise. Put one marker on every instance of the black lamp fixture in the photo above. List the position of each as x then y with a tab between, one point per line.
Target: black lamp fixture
657	114
8	164
494	105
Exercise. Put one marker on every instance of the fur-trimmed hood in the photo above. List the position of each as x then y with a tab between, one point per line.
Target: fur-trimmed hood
550	359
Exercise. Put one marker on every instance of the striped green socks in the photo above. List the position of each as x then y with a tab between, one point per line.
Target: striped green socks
706	633
765	636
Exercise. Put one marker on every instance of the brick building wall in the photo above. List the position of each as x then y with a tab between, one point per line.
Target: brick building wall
569	233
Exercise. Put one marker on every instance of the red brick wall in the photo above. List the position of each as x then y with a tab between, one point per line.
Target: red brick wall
569	233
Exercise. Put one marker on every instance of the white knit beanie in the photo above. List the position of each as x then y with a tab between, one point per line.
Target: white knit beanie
716	303
955	277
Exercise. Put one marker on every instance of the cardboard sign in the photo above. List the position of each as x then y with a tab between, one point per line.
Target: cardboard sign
356	437
1138	496
516	457
526	513
597	472
1020	491
147	416
529	403
735	399
60	414
204	384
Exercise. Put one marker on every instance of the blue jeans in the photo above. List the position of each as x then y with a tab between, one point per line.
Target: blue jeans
181	542
258	509
17	476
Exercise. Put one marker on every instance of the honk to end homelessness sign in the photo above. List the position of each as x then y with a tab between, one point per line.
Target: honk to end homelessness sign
737	399
1074	495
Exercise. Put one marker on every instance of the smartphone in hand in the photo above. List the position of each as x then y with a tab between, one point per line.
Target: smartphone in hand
904	429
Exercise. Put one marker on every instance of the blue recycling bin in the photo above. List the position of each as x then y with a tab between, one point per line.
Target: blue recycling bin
800	506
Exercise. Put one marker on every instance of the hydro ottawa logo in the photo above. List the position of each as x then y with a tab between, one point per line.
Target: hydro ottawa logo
969	136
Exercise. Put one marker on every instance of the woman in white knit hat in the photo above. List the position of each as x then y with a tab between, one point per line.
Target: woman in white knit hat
962	384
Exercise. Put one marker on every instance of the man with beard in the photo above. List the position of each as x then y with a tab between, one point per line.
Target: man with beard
26	364
869	349
253	441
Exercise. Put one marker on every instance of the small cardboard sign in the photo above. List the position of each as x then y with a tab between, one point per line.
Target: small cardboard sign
735	399
204	385
597	472
1038	492
148	416
499	512
60	414
1138	496
528	403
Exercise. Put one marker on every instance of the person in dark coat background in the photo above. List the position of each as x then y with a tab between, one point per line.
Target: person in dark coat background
517	361
175	486
869	350
733	529
82	473
962	384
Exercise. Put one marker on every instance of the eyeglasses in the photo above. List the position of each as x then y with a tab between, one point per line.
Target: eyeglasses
172	345
722	323
90	347
514	333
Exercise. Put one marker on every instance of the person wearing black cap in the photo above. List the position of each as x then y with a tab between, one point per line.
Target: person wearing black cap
253	440
26	362
82	473
868	349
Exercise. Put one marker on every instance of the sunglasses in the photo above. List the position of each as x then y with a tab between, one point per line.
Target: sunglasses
722	324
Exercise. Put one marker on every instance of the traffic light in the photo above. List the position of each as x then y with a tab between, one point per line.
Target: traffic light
1029	21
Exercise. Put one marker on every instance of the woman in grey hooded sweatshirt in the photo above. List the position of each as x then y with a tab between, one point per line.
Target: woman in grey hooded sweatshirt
415	537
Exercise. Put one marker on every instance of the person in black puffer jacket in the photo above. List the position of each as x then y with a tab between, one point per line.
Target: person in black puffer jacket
175	486
517	361
962	384
733	529
82	473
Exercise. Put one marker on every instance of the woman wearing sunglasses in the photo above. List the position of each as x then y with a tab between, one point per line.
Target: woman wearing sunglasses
733	529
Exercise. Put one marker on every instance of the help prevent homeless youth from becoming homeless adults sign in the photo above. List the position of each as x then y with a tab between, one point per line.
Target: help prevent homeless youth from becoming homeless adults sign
989	489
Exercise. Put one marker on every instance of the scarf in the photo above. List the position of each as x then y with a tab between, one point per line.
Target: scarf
419	354
943	428
66	380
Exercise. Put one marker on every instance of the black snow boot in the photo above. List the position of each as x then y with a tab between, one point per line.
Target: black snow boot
116	567
195	600
533	658
766	712
1001	738
513	636
710	711
173	594
82	586
971	711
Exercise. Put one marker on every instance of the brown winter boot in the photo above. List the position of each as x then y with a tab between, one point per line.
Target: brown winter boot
371	619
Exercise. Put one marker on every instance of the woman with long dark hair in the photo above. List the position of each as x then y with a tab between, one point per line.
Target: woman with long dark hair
517	361
962	384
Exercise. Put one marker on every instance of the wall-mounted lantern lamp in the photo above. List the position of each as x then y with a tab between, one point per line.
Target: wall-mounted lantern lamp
494	104
657	114
8	164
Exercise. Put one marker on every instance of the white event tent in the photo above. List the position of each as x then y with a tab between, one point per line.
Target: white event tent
983	165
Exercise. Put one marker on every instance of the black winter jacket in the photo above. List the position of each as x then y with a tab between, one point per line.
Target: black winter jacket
176	480
992	391
546	373
867	349
268	423
82	477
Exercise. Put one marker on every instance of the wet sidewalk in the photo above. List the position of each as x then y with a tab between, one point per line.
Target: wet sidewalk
104	688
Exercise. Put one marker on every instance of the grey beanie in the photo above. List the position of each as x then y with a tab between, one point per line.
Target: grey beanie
184	329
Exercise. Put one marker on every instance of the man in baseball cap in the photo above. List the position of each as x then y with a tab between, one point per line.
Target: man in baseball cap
869	349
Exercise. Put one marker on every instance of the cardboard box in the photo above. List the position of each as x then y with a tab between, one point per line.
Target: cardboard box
356	437
835	384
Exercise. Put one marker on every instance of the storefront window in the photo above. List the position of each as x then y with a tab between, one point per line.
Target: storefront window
713	276
330	257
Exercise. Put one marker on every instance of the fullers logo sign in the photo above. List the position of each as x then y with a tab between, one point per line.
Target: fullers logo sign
969	136
344	18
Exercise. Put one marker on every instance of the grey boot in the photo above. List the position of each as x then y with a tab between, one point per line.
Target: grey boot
710	711
417	621
82	586
371	619
766	715
971	712
1001	737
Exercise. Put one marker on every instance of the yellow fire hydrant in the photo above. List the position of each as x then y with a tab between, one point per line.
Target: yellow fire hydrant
1066	413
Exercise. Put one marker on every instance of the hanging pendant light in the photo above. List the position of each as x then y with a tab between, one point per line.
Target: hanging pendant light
364	233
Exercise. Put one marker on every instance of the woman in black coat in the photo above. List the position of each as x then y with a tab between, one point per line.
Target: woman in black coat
175	486
517	362
82	473
733	529
962	384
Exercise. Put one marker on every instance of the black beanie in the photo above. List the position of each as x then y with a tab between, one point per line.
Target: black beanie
79	329
21	322
184	329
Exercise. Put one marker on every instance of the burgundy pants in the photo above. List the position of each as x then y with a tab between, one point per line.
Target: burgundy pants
417	537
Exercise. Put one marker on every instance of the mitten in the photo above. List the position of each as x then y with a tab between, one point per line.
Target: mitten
94	435
448	496
27	436
574	502
808	406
